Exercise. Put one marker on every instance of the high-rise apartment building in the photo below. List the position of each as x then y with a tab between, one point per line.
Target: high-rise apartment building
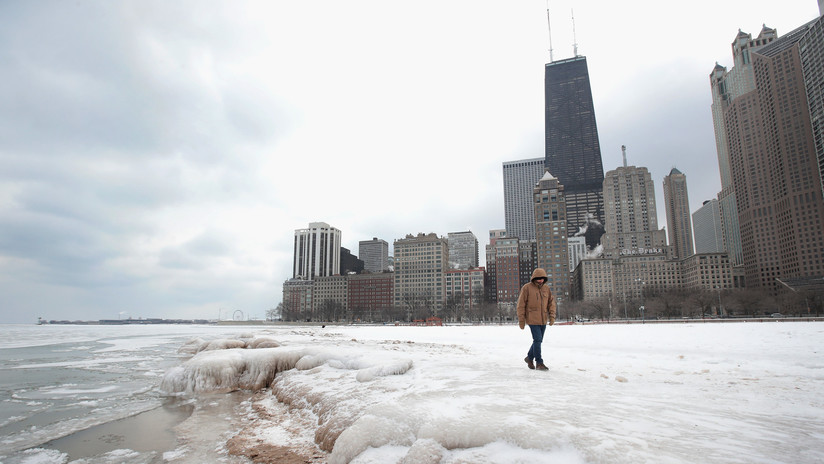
491	286
677	204
317	251
463	250
631	216
464	291
726	87
706	227
508	275
371	296
528	259
774	165
330	295
573	152
577	251
420	263
520	178
297	299
375	254
551	234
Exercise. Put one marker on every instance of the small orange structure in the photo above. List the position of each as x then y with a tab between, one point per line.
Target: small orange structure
429	321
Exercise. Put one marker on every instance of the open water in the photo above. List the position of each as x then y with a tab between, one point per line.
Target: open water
58	382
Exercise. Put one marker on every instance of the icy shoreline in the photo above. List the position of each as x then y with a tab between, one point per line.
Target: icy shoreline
674	393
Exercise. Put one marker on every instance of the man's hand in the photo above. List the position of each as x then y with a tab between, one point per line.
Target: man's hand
551	320
521	324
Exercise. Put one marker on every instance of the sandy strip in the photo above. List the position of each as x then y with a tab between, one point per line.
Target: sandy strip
145	432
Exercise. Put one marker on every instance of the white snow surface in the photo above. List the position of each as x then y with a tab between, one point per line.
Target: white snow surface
664	393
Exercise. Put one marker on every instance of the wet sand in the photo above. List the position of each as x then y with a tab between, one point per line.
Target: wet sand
145	432
171	426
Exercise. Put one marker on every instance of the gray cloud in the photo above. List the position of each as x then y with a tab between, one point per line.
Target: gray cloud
155	156
111	114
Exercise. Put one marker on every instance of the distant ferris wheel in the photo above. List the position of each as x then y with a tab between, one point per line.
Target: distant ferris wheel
237	315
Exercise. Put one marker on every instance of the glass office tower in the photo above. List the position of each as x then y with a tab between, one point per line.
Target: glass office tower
573	152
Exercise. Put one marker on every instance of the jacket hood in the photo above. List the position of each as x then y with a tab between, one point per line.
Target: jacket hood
539	272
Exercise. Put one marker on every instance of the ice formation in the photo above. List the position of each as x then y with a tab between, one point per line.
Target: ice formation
247	363
229	370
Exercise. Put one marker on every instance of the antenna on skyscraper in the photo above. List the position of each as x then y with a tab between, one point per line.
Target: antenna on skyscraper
549	26
624	152
574	39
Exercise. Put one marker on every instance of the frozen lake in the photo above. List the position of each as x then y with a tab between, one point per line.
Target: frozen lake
673	393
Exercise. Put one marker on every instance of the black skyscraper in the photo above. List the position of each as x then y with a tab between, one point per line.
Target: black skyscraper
573	153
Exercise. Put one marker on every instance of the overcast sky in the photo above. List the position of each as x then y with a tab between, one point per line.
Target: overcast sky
156	157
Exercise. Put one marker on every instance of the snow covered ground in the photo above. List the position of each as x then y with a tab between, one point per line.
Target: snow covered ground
668	393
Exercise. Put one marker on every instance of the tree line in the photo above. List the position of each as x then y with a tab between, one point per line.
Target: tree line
651	304
458	308
698	303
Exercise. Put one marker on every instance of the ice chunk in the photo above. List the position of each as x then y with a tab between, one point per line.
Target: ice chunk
192	346
424	451
222	344
398	368
263	342
229	370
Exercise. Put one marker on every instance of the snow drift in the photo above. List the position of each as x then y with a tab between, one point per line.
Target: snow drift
619	394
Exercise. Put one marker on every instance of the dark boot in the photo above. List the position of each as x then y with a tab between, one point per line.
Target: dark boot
529	362
541	367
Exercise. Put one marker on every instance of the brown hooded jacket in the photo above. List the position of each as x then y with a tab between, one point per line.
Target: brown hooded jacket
536	304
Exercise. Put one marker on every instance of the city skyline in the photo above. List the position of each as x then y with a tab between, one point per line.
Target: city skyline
157	159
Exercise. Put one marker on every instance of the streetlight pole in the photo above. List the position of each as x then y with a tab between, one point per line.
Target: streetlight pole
643	319
624	287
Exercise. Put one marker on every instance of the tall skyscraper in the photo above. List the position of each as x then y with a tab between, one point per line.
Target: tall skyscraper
551	234
573	152
706	226
631	222
520	178
349	263
811	47
773	161
678	214
726	87
463	250
317	251
375	254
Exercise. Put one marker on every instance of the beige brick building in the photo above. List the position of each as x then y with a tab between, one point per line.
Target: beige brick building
420	264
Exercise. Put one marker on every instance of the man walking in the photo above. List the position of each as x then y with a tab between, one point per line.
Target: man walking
536	307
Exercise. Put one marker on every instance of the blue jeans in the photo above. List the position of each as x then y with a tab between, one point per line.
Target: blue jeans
537	338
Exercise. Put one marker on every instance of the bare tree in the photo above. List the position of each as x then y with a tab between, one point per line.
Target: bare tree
454	305
597	308
749	302
668	304
703	300
274	314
